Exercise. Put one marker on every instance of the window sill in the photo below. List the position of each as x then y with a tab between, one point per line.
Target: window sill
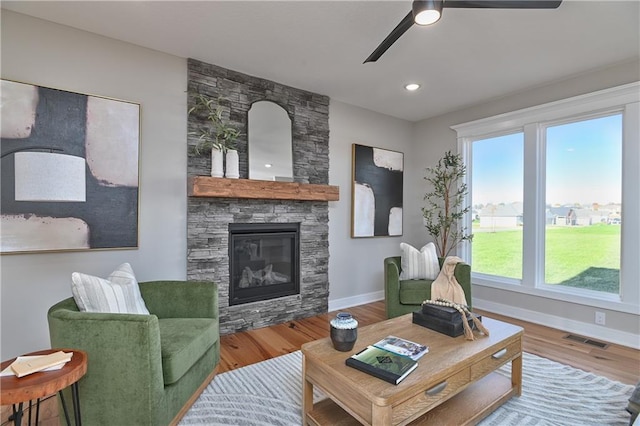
603	301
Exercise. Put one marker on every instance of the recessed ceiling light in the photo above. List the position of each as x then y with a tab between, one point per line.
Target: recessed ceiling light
412	87
267	165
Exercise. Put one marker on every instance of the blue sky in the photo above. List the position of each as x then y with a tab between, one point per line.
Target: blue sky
498	169
583	164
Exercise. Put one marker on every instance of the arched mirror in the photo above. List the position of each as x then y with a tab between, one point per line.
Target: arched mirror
270	149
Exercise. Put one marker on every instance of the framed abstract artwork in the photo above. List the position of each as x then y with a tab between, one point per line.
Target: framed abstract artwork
69	170
376	192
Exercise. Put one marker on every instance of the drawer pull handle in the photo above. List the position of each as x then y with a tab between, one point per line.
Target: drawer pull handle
499	354
437	389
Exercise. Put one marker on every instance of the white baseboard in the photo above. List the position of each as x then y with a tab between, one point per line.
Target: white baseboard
584	329
361	299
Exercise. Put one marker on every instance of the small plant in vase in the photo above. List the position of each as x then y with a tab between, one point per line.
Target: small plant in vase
216	137
444	209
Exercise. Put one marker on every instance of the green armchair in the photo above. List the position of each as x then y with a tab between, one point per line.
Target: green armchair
143	369
403	297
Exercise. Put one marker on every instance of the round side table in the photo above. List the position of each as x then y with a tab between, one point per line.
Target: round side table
14	390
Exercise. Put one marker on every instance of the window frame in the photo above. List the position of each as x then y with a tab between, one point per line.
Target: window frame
533	122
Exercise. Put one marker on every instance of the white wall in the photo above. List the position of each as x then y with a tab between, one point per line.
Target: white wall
356	264
434	136
46	54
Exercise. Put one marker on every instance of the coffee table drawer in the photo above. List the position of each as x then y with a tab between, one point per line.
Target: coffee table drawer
431	397
495	360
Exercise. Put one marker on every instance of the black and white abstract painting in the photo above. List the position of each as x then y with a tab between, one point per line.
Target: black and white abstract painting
376	192
69	170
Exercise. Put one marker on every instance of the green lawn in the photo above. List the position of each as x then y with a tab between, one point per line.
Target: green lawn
579	256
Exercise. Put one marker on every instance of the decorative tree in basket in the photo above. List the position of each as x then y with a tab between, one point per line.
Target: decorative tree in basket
444	210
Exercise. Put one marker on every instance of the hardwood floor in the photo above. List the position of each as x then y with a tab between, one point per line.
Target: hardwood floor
615	362
240	349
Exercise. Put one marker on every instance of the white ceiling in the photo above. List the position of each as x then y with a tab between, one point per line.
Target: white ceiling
469	57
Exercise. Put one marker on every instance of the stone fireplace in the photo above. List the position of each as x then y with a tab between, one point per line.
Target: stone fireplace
211	221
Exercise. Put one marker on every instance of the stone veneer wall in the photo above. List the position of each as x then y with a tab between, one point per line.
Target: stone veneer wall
208	218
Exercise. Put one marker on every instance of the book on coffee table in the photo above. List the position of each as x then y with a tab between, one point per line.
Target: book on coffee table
402	347
383	364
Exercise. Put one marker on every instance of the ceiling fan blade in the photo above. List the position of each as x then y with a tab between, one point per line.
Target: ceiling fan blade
402	27
502	4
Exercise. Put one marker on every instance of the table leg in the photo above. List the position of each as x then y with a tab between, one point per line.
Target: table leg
381	415
64	408
17	414
37	412
307	392
516	374
76	403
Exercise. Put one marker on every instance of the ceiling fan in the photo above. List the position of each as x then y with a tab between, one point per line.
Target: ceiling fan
426	12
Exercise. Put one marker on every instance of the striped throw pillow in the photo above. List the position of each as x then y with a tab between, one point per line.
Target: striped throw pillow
119	293
419	264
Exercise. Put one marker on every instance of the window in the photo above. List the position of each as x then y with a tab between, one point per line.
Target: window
583	204
496	183
555	201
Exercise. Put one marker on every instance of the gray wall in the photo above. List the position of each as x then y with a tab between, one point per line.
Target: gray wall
434	136
39	52
355	264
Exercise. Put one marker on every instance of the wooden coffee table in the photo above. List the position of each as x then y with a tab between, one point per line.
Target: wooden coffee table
454	384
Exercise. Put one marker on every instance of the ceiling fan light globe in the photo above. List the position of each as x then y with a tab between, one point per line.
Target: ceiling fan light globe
427	17
426	12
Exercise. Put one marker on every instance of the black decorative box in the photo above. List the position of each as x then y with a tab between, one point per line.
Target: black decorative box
450	328
443	312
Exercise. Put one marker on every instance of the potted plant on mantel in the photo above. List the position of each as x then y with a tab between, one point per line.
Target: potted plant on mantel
444	210
217	137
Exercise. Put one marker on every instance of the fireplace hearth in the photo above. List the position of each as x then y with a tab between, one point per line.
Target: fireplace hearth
263	261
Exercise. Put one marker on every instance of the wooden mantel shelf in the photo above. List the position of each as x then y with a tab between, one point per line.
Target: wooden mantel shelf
204	186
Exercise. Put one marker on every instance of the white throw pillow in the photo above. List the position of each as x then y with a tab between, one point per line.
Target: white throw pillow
119	293
419	265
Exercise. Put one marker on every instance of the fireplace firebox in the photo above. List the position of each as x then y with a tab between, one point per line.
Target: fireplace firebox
263	261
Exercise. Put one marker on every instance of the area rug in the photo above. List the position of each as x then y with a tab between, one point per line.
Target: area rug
270	393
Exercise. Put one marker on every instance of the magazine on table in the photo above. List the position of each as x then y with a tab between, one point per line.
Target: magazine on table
383	364
402	346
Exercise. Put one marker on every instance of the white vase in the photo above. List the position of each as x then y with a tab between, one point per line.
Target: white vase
217	168
233	168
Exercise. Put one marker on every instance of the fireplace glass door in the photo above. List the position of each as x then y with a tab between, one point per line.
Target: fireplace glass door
263	261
